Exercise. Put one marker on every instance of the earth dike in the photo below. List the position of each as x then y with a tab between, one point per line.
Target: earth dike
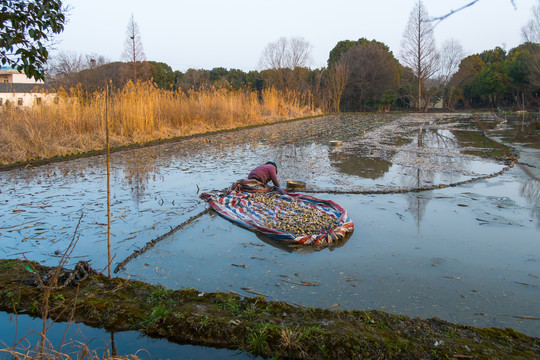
227	320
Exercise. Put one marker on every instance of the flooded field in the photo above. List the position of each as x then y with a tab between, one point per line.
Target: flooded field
464	249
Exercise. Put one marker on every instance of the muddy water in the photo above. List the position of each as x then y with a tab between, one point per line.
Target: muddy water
467	254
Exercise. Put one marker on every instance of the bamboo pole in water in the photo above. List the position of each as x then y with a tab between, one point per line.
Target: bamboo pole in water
108	182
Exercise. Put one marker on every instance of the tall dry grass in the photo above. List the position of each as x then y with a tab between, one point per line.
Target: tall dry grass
137	113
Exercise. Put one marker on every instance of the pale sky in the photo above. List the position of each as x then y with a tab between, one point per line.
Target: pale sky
204	34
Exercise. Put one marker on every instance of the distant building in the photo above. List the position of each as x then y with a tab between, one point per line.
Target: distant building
16	89
437	104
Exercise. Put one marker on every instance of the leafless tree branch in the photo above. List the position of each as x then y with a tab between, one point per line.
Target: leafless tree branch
452	12
286	53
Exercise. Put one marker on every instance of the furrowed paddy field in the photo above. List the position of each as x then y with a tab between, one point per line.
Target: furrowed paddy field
447	226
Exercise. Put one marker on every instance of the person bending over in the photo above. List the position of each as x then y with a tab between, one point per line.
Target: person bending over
265	173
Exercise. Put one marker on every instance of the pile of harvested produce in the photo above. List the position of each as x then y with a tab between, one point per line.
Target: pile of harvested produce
292	217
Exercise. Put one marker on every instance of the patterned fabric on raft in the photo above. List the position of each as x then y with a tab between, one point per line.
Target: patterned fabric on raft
291	217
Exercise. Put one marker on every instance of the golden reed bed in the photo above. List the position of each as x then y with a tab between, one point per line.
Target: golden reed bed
75	121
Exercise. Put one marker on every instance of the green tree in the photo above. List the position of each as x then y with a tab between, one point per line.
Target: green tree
522	68
346	45
517	66
162	74
238	79
496	55
462	80
27	27
217	74
338	50
388	98
489	86
194	79
490	78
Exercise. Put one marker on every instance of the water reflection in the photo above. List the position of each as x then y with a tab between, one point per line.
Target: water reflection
138	172
155	189
302	249
416	177
79	341
356	164
530	190
523	131
389	262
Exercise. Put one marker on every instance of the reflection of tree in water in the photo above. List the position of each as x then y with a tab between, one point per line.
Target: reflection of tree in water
137	172
525	129
309	161
530	190
423	164
301	162
354	163
302	249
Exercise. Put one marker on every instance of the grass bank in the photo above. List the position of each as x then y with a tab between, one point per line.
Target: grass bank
268	329
75	122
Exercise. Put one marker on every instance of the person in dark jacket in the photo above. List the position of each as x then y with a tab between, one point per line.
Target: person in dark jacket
265	173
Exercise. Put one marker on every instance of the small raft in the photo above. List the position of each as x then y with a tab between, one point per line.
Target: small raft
293	218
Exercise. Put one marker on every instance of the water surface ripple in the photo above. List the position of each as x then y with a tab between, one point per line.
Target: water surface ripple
467	254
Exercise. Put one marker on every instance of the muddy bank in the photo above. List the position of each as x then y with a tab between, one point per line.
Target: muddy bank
269	329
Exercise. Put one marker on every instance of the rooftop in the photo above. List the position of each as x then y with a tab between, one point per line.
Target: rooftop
23	88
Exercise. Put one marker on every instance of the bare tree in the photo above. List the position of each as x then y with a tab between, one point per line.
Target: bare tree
94	60
531	33
285	56
69	63
299	54
418	50
133	50
452	12
274	54
286	53
65	68
65	63
451	55
338	78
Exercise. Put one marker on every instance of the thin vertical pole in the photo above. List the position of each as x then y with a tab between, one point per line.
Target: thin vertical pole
108	181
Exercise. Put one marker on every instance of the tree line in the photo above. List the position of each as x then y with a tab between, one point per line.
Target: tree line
360	75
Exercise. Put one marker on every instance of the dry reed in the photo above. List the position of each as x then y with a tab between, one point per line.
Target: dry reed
140	112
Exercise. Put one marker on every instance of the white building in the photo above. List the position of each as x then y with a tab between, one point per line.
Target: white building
16	89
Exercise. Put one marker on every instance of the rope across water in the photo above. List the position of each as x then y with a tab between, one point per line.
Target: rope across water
398	190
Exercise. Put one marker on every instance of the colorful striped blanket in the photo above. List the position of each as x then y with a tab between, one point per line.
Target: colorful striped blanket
291	217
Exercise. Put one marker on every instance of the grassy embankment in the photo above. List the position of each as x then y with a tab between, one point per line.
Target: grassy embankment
137	113
268	329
